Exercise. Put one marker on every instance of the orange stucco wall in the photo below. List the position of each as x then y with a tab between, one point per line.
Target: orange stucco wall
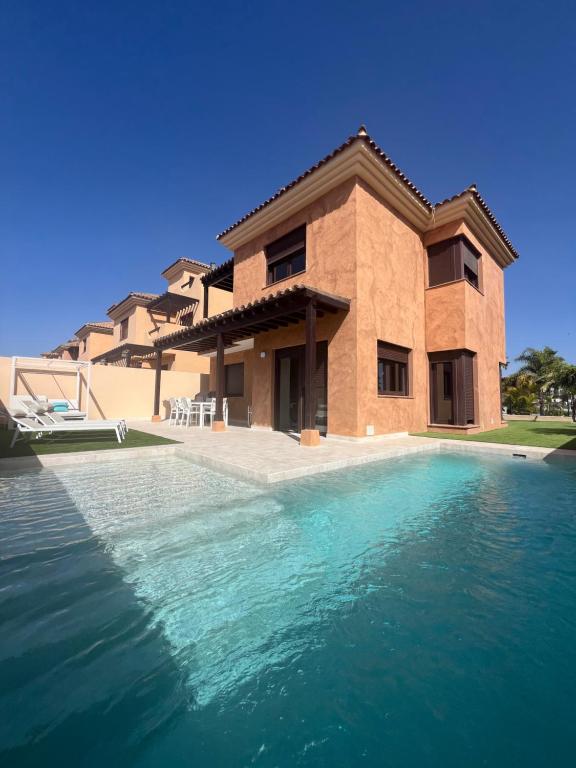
359	248
145	329
390	258
96	344
458	316
330	266
218	300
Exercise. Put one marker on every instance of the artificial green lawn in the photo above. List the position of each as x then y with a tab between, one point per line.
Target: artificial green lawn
69	443
546	434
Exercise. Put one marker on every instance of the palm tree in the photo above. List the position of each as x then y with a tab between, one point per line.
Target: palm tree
565	381
540	365
519	394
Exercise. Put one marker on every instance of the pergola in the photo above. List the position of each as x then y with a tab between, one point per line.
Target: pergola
124	353
52	366
171	304
288	307
220	277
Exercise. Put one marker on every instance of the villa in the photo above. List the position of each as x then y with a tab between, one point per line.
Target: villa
94	339
137	319
358	308
69	350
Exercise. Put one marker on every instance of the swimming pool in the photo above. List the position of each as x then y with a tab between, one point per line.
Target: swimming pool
420	612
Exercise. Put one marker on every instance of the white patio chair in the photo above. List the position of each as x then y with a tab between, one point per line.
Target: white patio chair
194	414
183	412
210	410
174	411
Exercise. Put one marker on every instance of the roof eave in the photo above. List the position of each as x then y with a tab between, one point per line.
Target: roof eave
357	160
180	265
129	302
87	328
467	209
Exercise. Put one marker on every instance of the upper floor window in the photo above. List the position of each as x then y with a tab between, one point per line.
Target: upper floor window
84	345
393	369
286	256
124	328
453	259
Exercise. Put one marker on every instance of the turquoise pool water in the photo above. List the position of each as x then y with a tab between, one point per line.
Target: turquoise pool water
420	612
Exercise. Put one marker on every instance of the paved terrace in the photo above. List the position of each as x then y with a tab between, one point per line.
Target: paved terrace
270	457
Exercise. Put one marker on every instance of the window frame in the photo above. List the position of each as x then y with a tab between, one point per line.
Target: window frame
124	327
459	253
227	392
397	360
284	252
464	379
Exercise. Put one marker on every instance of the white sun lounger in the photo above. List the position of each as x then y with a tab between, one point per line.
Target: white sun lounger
48	419
30	426
39	411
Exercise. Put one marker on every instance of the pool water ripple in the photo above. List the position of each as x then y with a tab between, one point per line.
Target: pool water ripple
417	612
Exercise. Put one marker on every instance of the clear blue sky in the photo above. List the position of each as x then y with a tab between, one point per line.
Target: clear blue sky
131	133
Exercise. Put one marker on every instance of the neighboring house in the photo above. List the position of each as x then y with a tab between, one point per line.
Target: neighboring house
139	318
360	308
95	339
67	351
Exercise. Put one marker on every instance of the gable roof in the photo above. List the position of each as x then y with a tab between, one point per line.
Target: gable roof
100	326
186	262
390	182
138	296
472	191
360	136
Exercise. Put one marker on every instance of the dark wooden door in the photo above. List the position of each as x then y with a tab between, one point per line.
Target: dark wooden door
289	388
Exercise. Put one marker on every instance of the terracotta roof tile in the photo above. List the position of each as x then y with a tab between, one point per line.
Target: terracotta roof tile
185	260
207	321
362	135
471	190
101	324
135	295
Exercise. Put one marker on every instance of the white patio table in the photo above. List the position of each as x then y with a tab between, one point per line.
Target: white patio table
201	409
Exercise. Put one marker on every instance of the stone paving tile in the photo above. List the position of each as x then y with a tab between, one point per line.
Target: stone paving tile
269	457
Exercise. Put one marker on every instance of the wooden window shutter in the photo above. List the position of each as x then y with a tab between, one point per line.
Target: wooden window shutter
286	245
393	352
468	386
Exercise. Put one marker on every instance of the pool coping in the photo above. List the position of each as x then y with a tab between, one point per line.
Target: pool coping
211	461
45	461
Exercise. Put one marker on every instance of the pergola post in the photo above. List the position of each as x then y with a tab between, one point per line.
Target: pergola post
88	389
309	435
157	383
218	424
205	304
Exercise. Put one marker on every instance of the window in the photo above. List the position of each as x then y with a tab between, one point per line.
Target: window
393	369
451	260
124	328
452	385
234	380
286	256
83	345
